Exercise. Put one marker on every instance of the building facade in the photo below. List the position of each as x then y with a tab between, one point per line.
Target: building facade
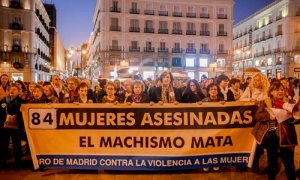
24	40
269	40
189	38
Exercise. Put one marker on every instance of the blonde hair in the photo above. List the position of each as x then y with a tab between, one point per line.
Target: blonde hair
265	84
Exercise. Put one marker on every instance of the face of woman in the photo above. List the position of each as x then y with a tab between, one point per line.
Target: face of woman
47	91
4	80
110	90
257	83
31	87
213	91
137	89
278	93
83	91
193	87
284	83
97	88
224	84
37	93
236	86
166	80
13	92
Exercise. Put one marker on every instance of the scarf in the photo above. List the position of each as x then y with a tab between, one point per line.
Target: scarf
236	93
136	98
224	92
167	95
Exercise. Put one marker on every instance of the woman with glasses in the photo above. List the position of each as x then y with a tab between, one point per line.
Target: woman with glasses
110	94
192	93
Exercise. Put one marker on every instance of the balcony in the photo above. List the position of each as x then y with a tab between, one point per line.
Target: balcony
269	36
278	33
16	48
204	51
134	29
134	11
115	48
222	51
190	32
115	9
177	31
191	15
278	17
134	49
163	31
115	28
163	50
148	49
163	13
148	12
268	52
16	26
277	50
177	14
222	33
204	15
15	4
256	40
222	16
204	33
148	30
262	38
177	50
191	51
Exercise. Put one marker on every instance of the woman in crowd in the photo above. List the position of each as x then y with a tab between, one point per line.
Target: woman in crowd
4	85
127	91
82	96
11	125
97	92
72	89
24	92
276	137
192	93
138	95
38	95
225	94
31	86
235	85
49	92
110	94
165	93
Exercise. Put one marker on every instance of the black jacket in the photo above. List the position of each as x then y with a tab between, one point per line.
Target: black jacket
155	94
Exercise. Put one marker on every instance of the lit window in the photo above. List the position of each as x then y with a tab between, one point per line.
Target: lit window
148	74
191	75
190	62
202	73
270	61
257	63
203	62
221	62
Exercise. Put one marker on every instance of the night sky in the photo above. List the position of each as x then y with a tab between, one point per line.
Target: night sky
75	25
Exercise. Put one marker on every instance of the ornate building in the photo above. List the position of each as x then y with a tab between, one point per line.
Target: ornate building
188	37
269	40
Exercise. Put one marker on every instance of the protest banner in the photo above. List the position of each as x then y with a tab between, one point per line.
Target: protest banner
140	136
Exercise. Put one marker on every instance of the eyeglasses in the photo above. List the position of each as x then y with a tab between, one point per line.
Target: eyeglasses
110	89
215	89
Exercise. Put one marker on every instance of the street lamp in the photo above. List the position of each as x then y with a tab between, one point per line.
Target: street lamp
82	53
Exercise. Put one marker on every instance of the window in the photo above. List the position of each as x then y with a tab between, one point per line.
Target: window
176	26
176	61
191	45
222	11
257	63
203	62
148	44
114	22
221	47
115	43
190	26
221	28
163	25
204	27
221	62
162	45
162	8
191	74
176	9
115	4
190	62
134	23
204	10
203	73
149	24
148	74
149	6
204	46
177	45
269	62
134	44
191	9
134	5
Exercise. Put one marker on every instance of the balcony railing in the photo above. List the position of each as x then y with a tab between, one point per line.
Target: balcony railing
15	4
134	11
148	30
268	52
163	13
115	28
222	51
163	31
256	40
204	51
177	14
115	9
269	36
134	29
115	48
204	33
148	49
177	31
16	26
134	49
204	15
191	14
148	12
190	32
278	17
191	51
16	48
277	50
222	33
163	50
177	50
222	16
278	33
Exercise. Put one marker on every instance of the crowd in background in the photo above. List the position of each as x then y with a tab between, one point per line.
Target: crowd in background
264	91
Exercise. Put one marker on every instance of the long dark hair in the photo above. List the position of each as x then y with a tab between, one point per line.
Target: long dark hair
188	90
274	86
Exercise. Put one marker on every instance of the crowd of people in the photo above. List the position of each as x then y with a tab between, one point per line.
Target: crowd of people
265	92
